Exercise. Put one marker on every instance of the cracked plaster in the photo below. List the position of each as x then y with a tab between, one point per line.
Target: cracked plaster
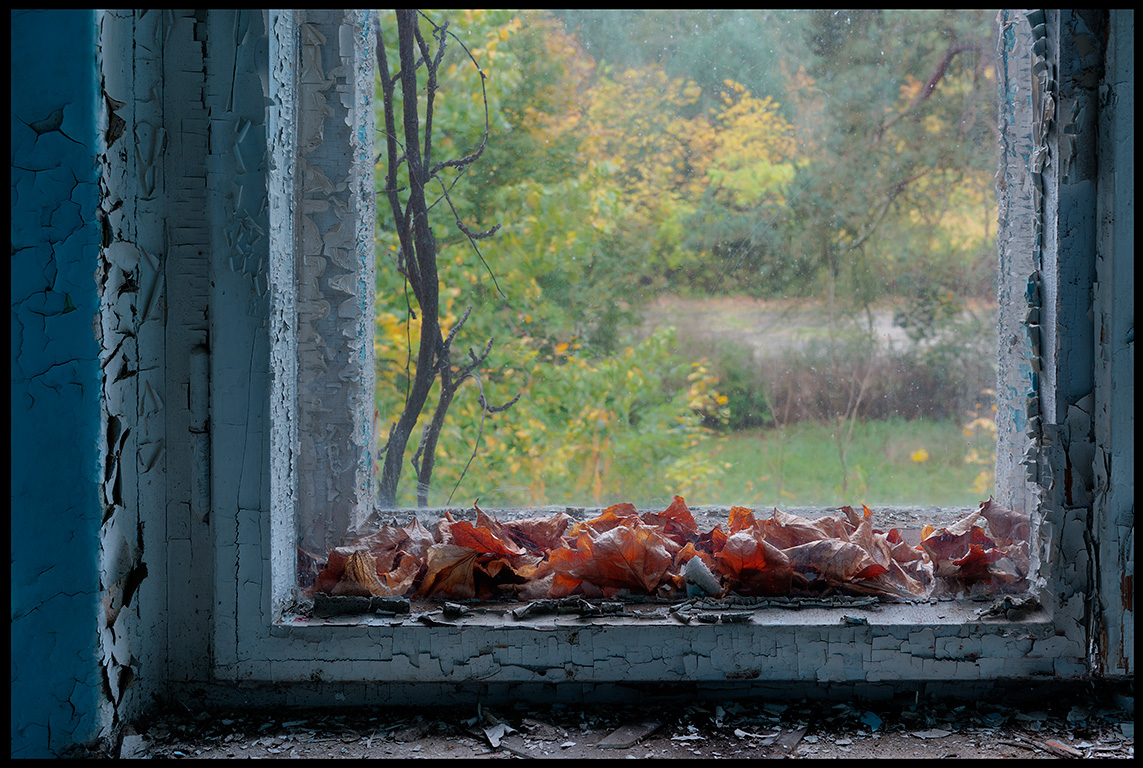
55	384
160	529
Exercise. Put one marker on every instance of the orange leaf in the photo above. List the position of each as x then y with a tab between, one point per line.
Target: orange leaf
975	564
676	521
753	566
465	534
328	577
623	557
617	514
494	527
741	519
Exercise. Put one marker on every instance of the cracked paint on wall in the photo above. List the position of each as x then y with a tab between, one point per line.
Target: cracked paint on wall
331	150
1057	81
55	383
131	284
1114	316
171	259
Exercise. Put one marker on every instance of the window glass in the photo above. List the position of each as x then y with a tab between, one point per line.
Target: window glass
734	259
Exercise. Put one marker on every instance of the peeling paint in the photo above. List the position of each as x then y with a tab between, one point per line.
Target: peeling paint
333	205
55	375
1113	410
220	155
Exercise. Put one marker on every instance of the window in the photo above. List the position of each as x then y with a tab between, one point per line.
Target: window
663	197
259	639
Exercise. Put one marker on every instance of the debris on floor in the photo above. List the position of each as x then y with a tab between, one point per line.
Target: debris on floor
1095	727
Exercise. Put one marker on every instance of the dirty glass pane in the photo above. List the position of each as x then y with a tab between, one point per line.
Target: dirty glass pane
740	258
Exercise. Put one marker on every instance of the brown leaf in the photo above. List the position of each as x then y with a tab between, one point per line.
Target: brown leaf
400	579
712	541
1007	526
785	530
676	521
441	533
419	541
624	557
853	518
538	534
450	572
753	566
617	514
359	579
836	561
876	545
946	545
901	550
386	537
834	527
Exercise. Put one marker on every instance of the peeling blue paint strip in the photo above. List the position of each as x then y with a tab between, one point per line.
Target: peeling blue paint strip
55	383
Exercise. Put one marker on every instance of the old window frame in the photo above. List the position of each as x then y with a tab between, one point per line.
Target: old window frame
255	640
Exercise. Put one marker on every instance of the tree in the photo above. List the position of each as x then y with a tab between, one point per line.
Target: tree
893	108
416	258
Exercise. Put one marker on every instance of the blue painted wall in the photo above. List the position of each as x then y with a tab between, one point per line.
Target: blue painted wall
55	382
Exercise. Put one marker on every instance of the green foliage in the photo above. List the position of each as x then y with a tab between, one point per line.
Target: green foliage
741	382
632	153
589	431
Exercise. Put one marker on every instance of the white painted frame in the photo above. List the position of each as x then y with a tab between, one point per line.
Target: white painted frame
254	455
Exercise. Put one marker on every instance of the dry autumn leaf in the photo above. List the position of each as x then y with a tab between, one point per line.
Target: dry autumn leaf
621	551
481	539
450	572
634	557
1007	526
784	530
359	577
615	515
835	561
538	534
753	566
676	521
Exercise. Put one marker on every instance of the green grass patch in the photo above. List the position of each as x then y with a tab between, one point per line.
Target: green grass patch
799	466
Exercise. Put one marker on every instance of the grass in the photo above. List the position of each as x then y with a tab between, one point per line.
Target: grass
799	466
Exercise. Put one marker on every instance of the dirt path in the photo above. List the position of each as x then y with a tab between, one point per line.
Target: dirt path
765	325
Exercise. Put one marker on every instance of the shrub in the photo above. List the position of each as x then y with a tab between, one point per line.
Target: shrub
740	381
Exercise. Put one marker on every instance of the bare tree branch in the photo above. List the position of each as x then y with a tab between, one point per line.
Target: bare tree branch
416	257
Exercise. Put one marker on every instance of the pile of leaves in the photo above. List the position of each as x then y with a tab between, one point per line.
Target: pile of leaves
624	553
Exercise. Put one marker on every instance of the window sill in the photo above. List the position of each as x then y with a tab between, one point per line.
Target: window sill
925	641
